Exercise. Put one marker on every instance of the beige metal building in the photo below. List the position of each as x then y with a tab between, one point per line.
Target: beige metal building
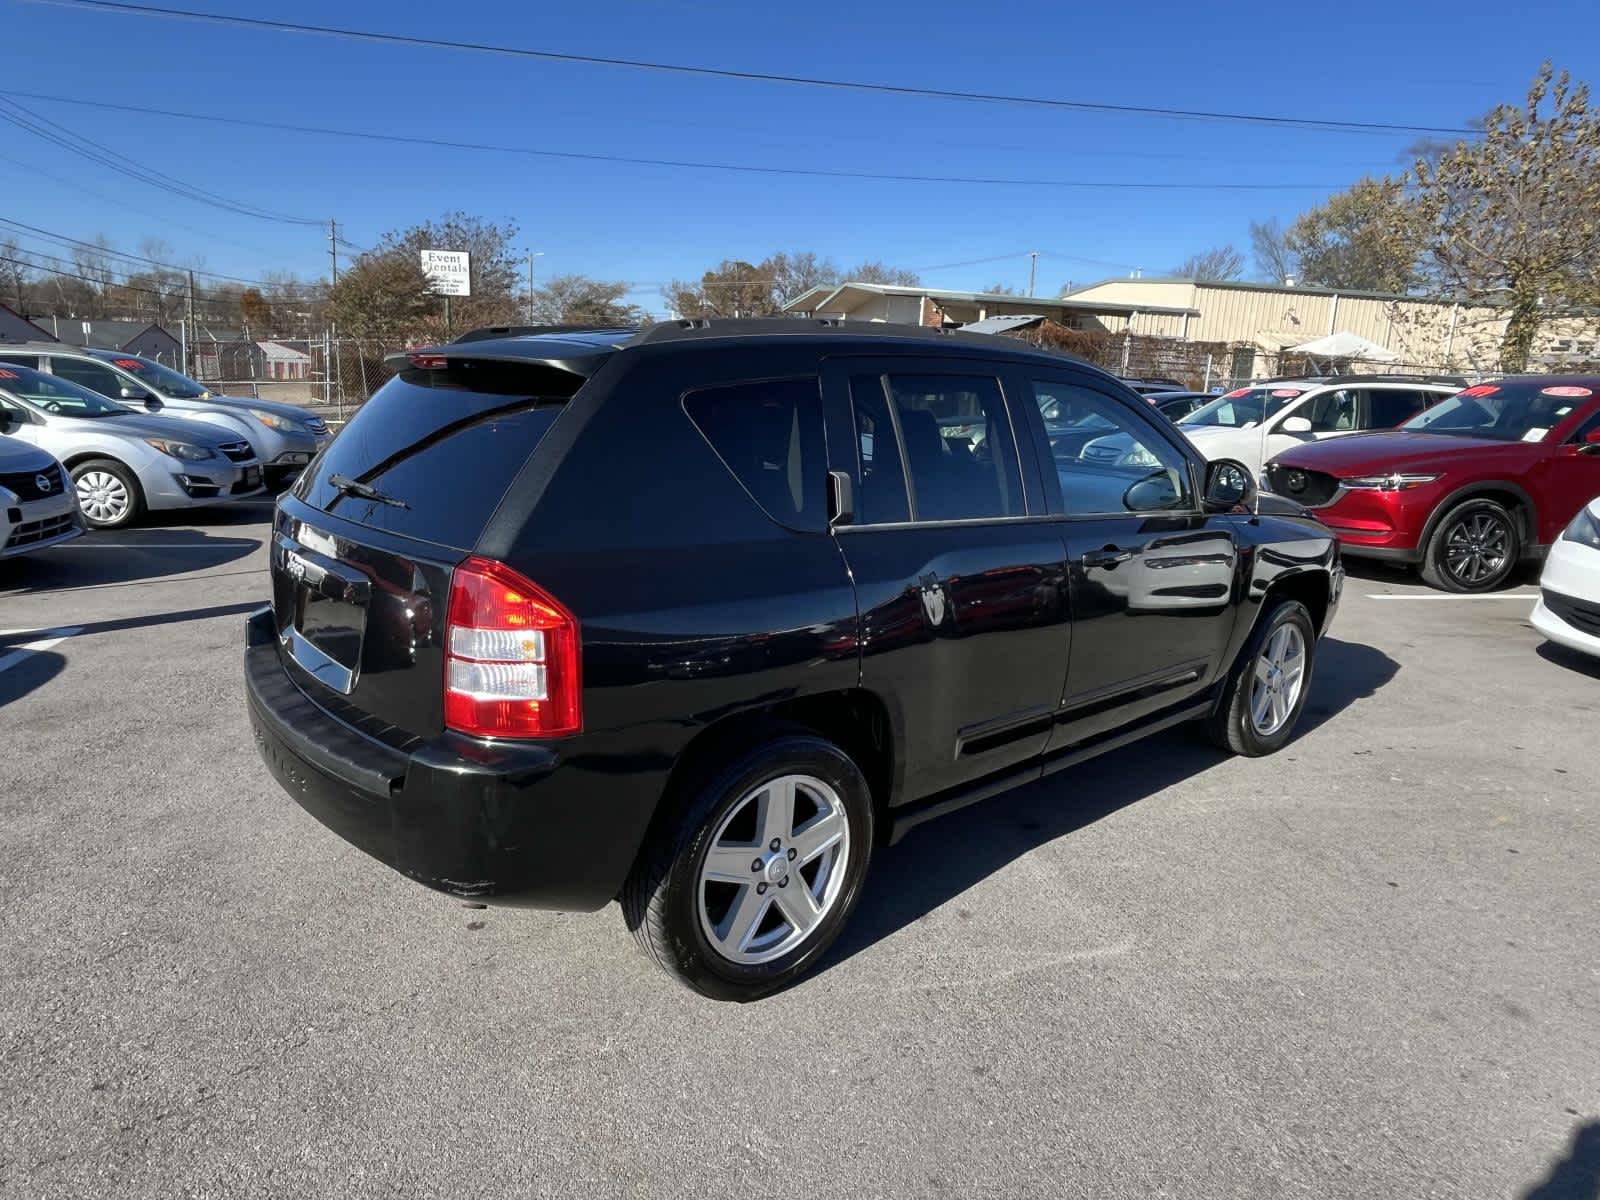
1269	318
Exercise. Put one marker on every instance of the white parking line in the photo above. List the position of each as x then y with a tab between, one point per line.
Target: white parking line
17	654
1446	596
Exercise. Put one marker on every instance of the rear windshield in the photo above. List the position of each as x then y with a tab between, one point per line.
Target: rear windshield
440	448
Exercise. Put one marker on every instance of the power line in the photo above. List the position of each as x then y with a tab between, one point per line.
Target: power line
59	135
397	39
140	258
442	143
100	283
85	190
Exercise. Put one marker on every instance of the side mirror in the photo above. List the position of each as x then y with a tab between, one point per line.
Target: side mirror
1228	485
10	422
1295	425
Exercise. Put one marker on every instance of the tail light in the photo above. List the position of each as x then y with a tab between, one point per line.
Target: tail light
511	656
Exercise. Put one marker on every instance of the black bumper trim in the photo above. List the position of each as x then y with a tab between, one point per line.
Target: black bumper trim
511	824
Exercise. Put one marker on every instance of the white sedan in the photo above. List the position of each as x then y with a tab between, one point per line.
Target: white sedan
1568	610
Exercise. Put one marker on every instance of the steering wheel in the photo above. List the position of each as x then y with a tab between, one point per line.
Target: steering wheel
52	406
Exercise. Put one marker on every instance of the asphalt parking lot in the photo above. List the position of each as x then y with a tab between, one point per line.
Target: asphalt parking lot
1366	967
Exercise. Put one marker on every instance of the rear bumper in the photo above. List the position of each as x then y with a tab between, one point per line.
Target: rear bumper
504	824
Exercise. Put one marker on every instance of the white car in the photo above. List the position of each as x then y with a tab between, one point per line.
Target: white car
1255	424
37	507
1568	610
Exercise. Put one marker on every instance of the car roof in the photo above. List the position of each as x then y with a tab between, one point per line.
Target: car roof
583	350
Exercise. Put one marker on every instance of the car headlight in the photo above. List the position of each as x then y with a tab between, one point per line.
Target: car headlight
1584	530
1394	482
273	420
182	450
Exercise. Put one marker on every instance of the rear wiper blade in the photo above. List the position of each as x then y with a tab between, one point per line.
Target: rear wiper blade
354	487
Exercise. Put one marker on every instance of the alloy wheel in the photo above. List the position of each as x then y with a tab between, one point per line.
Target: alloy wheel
773	869
1280	673
1476	548
102	496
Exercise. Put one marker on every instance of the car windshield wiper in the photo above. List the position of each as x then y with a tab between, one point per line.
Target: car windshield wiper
354	487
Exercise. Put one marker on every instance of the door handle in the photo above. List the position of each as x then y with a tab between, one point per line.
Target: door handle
1107	556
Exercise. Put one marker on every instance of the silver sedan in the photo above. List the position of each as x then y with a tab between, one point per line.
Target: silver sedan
122	462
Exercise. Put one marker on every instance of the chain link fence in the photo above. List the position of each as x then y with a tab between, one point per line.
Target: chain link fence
332	376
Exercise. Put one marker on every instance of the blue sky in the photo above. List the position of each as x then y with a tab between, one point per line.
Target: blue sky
1400	61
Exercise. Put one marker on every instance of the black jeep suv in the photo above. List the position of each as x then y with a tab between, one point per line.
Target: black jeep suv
697	617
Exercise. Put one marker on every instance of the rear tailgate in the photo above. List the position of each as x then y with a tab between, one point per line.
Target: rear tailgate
362	551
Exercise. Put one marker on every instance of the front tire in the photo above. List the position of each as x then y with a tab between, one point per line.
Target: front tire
1474	548
1266	691
755	879
108	493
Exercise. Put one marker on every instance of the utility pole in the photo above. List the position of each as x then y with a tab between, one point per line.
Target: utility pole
188	324
334	367
1033	266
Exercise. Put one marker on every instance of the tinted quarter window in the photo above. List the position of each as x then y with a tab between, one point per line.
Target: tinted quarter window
958	445
1390	406
769	434
881	471
21	360
1125	466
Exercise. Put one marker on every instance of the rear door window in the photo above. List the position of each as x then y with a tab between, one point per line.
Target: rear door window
92	375
768	433
1387	407
958	445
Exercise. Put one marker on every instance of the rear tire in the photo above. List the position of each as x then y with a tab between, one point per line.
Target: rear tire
1474	548
1266	691
108	493
741	895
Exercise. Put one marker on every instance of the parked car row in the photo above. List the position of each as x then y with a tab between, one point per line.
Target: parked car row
128	435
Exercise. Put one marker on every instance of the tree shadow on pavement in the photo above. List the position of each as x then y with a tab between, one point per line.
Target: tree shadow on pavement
942	859
1577	1176
30	671
23	671
135	555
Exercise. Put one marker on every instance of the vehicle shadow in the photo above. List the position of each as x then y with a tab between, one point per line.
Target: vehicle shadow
942	859
1572	660
131	556
1577	1176
1371	570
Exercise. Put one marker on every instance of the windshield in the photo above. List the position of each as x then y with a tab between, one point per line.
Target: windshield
164	379
1242	407
1517	411
53	394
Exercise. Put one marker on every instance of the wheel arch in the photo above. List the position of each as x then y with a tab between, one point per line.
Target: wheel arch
1312	587
854	719
1513	496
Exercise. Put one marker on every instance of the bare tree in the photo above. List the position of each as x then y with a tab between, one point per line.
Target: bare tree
579	300
1220	262
1269	246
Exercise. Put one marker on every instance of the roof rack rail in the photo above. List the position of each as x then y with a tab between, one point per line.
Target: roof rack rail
722	327
1399	377
489	332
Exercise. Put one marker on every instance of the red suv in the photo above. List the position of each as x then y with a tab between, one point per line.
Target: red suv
1464	490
